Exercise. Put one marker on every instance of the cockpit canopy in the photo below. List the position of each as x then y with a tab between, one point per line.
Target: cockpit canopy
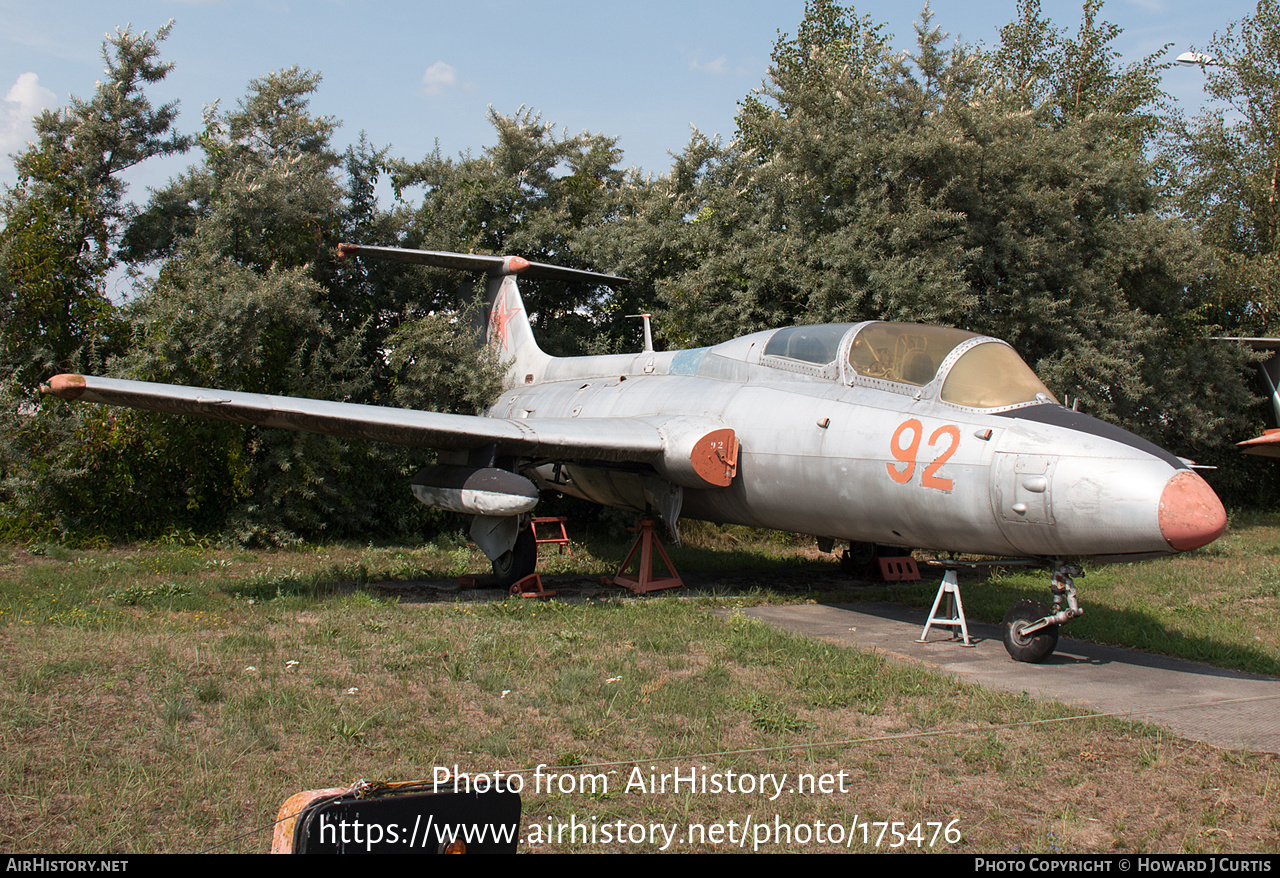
974	371
818	344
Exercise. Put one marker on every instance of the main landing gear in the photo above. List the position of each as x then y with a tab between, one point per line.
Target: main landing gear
1031	629
521	561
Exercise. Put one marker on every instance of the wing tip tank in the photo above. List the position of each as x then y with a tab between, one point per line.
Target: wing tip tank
64	386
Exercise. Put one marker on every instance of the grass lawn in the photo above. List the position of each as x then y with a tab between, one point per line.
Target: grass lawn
170	698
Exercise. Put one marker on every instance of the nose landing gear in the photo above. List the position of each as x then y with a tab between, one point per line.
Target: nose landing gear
1031	630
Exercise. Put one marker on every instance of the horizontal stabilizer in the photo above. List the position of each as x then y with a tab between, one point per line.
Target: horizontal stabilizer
493	265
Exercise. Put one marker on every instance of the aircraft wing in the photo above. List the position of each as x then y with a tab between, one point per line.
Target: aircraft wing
695	452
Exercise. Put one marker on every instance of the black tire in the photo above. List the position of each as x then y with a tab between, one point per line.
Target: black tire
522	560
1034	647
858	558
863	555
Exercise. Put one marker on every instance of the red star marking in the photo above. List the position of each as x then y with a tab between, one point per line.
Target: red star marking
499	317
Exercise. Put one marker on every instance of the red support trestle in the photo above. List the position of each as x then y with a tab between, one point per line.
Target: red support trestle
645	582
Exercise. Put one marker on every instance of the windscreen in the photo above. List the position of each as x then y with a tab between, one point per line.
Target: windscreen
991	375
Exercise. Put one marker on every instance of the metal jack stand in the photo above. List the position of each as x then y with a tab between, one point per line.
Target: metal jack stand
531	587
646	542
955	609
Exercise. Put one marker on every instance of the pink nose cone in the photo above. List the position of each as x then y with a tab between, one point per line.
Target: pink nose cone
1191	515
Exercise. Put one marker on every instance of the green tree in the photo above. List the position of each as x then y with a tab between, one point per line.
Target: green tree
64	217
1070	78
1232	158
535	194
266	193
425	355
1006	191
244	300
62	223
210	321
252	296
248	294
822	208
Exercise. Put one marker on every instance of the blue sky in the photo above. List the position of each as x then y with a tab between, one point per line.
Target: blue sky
411	74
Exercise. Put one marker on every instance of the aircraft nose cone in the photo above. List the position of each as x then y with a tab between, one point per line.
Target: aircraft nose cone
1191	515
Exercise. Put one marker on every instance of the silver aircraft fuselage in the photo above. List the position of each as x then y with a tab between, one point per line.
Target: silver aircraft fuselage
824	451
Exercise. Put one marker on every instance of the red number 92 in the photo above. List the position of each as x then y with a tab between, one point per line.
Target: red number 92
906	450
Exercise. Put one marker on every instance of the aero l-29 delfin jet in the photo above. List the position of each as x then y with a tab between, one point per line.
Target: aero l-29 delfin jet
876	433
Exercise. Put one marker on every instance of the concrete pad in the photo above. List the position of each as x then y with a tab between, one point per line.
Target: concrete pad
1220	707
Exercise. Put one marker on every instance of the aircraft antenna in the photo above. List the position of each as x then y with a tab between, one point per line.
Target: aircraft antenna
648	333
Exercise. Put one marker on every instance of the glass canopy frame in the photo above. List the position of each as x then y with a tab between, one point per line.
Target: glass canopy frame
959	367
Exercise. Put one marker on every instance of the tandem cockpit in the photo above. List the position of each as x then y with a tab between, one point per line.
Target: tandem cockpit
925	362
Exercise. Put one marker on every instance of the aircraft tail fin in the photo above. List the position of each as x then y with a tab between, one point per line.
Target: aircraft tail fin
507	324
507	331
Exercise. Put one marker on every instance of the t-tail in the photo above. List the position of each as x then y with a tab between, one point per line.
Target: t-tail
507	330
506	321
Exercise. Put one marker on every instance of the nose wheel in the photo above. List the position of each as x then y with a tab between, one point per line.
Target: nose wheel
1025	637
1031	628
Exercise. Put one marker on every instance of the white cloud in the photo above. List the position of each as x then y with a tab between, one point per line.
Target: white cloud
439	77
25	99
719	65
